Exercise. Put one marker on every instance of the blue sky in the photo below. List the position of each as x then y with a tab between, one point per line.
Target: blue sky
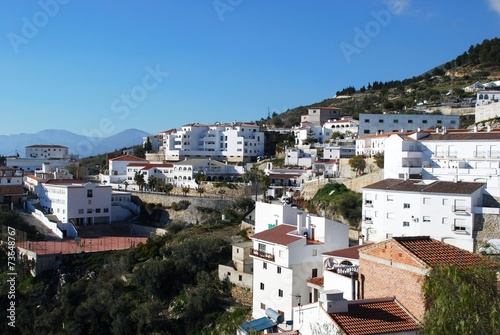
99	67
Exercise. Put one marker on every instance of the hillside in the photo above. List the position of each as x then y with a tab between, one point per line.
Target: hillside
440	85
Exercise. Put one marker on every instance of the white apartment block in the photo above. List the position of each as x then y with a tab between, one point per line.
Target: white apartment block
78	202
47	151
459	155
385	123
287	252
233	142
297	157
441	209
339	151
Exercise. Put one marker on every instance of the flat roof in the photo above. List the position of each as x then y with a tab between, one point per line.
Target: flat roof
425	186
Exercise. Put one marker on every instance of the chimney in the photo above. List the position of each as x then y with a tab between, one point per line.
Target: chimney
300	224
437	130
475	129
488	129
335	302
419	129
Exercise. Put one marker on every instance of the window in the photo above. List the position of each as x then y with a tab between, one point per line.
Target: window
315	252
453	122
424	121
106	210
390	215
264	265
314	273
89	210
280	293
439	121
278	269
366	131
261	286
395	121
367	120
89	193
380	121
406	205
390	198
427	201
281	253
240	278
388	235
445	202
80	211
262	306
97	210
406	223
427	219
90	201
444	220
410	121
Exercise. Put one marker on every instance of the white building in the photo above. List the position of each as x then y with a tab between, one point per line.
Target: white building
234	142
487	104
78	202
287	252
459	155
370	145
440	209
344	125
339	151
298	157
47	151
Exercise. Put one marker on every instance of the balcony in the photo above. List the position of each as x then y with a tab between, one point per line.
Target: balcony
368	203
460	209
411	154
345	270
262	254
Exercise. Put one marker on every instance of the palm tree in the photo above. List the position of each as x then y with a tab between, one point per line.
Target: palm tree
200	190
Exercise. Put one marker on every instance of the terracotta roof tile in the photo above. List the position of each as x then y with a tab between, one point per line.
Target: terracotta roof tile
413	185
375	317
434	252
318	281
278	235
463	136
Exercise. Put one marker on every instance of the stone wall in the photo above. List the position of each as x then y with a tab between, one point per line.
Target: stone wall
166	200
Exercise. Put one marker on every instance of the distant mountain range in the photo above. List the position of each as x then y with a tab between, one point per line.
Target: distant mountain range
77	144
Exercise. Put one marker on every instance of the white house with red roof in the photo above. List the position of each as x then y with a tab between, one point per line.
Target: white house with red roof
287	251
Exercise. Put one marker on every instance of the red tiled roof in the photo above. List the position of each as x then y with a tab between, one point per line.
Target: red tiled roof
434	252
352	252
379	316
279	235
414	185
128	158
150	166
318	281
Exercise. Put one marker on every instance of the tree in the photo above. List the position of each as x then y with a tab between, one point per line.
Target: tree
126	184
153	182
379	159
168	188
3	160
200	178
200	190
358	164
139	180
148	147
462	300
222	192
185	190
310	139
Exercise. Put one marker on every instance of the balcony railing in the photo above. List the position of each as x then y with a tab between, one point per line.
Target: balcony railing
262	254
460	209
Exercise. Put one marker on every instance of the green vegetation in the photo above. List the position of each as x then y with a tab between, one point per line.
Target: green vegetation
462	301
166	286
338	203
11	219
358	164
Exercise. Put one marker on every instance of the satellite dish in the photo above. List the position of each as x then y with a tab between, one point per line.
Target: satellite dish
331	263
